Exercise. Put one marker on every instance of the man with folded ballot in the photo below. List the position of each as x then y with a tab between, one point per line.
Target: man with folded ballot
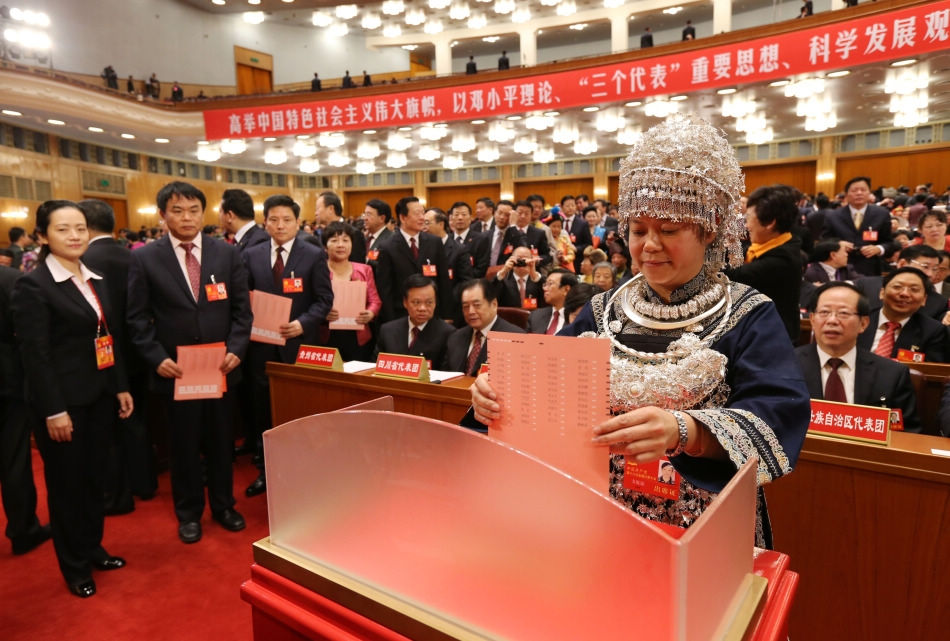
295	270
419	333
189	288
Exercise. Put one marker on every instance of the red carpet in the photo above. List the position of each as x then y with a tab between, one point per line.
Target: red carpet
168	590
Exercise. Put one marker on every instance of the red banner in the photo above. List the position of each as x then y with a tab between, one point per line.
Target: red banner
898	34
853	422
402	366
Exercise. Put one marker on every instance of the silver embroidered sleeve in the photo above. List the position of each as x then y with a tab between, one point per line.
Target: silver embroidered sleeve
743	435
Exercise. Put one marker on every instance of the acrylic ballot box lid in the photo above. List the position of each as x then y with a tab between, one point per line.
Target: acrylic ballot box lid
488	542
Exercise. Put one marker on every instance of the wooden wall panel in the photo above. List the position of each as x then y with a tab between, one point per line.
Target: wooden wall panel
797	174
355	201
613	189
553	190
443	197
892	169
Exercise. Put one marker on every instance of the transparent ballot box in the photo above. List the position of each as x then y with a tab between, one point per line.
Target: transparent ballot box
482	541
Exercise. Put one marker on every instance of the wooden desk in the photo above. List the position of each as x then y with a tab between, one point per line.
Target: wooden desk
866	528
298	391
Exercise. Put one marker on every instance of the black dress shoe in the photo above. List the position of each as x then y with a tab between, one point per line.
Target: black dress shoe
109	563
189	531
259	486
83	590
230	520
29	542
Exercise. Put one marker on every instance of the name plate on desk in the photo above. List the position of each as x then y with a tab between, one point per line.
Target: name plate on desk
851	422
320	357
404	366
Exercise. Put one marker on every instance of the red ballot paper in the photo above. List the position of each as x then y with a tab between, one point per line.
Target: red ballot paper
201	372
349	299
270	312
553	390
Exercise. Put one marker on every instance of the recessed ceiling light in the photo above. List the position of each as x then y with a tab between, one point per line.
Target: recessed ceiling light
591	109
405	129
202	142
838	74
269	139
53	121
478	122
491	39
513	118
217	2
635	103
727	91
128	136
904	63
253	1
778	83
303	137
552	114
369	132
679	98
96	130
161	140
10	112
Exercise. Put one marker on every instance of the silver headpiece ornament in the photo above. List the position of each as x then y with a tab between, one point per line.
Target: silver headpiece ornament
684	169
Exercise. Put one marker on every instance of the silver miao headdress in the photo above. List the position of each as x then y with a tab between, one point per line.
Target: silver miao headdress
685	170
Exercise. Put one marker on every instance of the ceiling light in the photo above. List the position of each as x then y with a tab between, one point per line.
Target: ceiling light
585	146
635	103
369	132
679	98
96	130
660	108
524	146
428	132
477	21
208	153
543	154
514	118
459	11
217	2
415	17
629	136
462	142
269	139
29	17
331	141
478	122
338	30
549	3
672	11
365	167
433	26
54	121
838	74
452	162
10	112
591	109
488	153
410	47
580	26
500	132
565	133
396	159
309	165
610	4
538	122
779	83
233	147
347	11
304	149
254	2
338	159
805	87
428	153
371	21
368	150
727	91
609	120
392	31
503	6
566	8
521	14
393	7
398	142
904	63
203	142
439	4
161	140
253	17
128	136
321	19
491	39
287	1
407	128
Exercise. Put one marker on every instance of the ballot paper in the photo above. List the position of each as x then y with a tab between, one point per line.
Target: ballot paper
349	299
270	312
201	372
553	390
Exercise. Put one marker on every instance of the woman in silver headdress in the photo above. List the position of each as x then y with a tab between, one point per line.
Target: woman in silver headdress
702	372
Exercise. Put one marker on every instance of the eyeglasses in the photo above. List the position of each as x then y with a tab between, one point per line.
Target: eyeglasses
840	314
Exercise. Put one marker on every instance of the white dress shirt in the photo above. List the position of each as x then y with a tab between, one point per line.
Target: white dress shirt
883	320
484	332
180	255
845	371
243	230
273	251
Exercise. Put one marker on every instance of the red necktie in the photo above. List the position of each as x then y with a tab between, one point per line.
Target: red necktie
278	269
886	344
473	355
553	326
194	269
834	388
414	248
415	337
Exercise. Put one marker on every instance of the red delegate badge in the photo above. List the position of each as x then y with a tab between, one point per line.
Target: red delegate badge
372	254
216	291
105	354
869	236
429	270
530	302
293	285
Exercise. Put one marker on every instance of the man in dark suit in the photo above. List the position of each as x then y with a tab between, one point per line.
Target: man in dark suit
470	66
376	215
411	251
467	348
576	227
646	40
484	215
494	248
315	84
535	238
419	332
459	261
900	325
237	216
329	209
836	370
297	270
518	283
689	31
16	465
503	63
131	466
461	227
866	227
830	263
348	80
189	288
924	258
551	319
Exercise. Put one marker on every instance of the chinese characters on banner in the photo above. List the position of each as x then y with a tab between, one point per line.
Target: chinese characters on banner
855	422
896	34
401	366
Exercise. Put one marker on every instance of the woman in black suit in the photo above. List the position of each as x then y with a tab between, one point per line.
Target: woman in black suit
64	326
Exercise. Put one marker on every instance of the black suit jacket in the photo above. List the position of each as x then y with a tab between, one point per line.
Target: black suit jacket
815	273
396	264
839	224
510	239
162	313
253	236
778	274
56	330
310	306
394	339
11	370
537	239
646	40
504	63
540	318
508	295
460	263
877	382
456	350
579	232
921	334
689	32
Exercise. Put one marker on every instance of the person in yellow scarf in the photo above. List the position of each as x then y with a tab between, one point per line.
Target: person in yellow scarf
773	262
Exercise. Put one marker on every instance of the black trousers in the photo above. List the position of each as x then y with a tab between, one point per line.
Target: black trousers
73	471
258	355
196	427
131	466
16	469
